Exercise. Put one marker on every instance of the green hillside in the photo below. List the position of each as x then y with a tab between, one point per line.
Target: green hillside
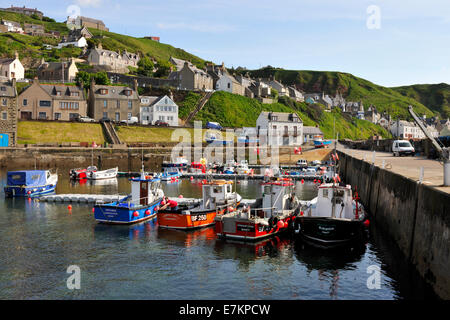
232	110
435	96
352	89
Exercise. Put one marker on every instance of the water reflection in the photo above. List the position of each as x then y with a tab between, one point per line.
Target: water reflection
138	231
186	238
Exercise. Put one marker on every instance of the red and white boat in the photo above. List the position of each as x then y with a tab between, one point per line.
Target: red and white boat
268	216
82	173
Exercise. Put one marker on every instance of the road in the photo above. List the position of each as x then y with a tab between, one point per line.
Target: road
406	166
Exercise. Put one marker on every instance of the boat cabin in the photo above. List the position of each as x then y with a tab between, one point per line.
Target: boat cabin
216	193
336	200
276	196
145	190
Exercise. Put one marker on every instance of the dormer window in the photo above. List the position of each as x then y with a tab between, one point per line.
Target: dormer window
127	92
103	91
58	93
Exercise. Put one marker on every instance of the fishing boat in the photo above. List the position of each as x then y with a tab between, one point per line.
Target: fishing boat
320	143
229	167
268	216
140	205
82	173
179	162
29	183
217	197
242	167
333	218
169	174
104	174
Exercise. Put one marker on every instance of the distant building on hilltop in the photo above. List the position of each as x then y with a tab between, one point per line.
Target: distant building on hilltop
79	22
23	10
153	38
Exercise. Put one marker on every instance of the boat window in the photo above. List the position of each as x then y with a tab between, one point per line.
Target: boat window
217	190
339	193
325	193
267	189
229	188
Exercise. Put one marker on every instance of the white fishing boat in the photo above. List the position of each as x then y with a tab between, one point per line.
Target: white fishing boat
104	174
242	167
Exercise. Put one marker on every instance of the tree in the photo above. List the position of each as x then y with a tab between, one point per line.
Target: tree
101	78
145	67
84	78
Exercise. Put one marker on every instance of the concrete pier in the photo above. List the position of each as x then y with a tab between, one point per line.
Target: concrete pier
416	215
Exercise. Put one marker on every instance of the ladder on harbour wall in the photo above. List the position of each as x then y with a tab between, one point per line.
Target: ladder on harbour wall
110	133
199	107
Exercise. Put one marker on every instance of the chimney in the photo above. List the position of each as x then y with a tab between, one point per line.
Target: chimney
13	83
16	54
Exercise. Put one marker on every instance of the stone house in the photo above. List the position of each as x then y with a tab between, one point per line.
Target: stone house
51	102
311	133
12	68
78	22
372	114
192	78
115	61
26	11
75	34
8	113
34	29
261	91
321	98
282	90
295	94
57	71
116	103
223	81
280	128
161	108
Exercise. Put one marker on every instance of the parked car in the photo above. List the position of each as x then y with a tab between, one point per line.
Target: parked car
161	123
85	119
316	163
402	147
213	125
105	120
132	120
302	163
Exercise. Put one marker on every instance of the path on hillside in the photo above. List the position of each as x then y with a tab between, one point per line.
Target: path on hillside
199	107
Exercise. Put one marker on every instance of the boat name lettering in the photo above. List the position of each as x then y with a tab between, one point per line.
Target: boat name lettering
200	217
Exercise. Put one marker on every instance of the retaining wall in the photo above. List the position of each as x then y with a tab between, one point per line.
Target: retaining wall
416	216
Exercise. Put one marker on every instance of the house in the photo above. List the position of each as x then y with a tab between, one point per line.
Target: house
75	34
79	43
8	113
51	102
161	108
442	124
12	26
406	130
282	90
311	133
372	114
58	71
261	91
246	82
26	11
114	61
12	68
113	102
153	38
79	22
339	101
321	98
34	29
295	94
223	81
280	128
189	77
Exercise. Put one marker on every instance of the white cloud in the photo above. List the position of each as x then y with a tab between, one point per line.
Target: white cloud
89	3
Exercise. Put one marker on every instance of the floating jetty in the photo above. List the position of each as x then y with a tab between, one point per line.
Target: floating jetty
233	176
81	198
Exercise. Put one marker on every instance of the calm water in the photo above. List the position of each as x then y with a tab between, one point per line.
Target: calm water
38	241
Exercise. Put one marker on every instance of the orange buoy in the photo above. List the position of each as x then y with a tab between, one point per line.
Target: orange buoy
69	207
93	209
366	223
147	212
136	214
180	196
280	224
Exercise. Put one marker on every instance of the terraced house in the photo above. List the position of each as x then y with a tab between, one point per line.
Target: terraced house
52	102
8	114
113	102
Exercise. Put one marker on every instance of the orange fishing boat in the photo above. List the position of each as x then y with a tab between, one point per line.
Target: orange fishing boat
186	214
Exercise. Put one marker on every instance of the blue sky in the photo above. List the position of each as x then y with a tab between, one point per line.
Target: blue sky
411	45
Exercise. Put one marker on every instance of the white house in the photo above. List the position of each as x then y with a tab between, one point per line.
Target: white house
80	43
227	82
12	68
158	108
406	130
280	128
13	26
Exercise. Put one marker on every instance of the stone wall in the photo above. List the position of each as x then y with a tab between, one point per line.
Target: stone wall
416	216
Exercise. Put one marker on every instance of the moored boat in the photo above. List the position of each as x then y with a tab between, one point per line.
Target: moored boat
179	162
333	218
242	167
146	195
104	174
269	215
320	143
217	197
170	174
29	183
81	173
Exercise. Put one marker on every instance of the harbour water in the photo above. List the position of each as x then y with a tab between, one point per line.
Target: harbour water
39	241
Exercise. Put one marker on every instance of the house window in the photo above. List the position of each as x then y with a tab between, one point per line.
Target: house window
4	102
57	116
295	131
105	103
129	115
118	104
25	102
105	115
58	93
130	105
75	94
45	103
117	116
103	91
4	116
42	115
229	85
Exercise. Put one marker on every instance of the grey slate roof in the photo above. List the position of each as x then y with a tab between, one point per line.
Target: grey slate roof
312	130
281	116
65	90
114	92
7	90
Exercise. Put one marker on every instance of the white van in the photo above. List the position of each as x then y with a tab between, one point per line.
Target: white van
302	163
402	147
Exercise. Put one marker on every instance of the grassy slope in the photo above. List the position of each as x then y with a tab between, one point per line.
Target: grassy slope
237	111
31	132
435	96
351	87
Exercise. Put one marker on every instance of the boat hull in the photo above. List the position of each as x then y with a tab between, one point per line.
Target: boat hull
248	230
328	231
114	213
19	191
322	144
194	220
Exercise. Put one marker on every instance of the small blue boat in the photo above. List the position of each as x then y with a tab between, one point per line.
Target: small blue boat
170	174
146	195
30	183
320	143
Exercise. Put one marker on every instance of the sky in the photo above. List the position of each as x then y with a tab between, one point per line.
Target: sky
388	42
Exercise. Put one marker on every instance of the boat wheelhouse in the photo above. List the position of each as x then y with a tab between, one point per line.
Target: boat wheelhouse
242	167
29	183
217	197
269	215
333	218
146	195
